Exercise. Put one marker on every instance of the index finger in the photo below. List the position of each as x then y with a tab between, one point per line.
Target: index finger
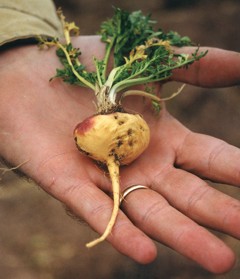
219	68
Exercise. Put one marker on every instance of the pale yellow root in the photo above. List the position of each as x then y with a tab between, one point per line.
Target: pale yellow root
151	96
113	169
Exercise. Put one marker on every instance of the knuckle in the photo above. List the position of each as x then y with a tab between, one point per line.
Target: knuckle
196	198
153	211
215	154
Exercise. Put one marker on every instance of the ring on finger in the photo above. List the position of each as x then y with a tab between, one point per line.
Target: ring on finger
130	189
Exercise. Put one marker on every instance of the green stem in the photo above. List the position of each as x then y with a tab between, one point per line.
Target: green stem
81	79
106	59
121	85
99	78
151	96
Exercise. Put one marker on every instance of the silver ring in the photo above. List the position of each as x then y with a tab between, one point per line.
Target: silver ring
130	189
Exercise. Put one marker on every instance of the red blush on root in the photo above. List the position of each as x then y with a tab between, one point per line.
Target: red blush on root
84	126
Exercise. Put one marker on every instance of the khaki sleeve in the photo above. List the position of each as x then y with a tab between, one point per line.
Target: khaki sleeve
24	19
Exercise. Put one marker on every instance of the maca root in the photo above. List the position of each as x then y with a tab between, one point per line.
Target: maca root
118	135
113	139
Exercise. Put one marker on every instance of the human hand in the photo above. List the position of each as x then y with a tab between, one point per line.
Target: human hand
37	120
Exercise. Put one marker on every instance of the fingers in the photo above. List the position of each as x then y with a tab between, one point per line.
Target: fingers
95	207
218	68
75	186
152	213
209	157
202	203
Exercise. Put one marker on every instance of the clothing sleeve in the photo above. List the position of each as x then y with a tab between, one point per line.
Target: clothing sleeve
25	19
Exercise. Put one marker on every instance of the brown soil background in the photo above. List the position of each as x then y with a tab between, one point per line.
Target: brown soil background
39	241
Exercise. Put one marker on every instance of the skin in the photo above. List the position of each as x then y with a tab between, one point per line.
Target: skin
37	119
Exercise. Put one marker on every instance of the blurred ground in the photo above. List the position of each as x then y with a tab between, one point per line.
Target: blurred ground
39	241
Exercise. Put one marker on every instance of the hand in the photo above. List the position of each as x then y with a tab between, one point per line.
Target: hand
36	123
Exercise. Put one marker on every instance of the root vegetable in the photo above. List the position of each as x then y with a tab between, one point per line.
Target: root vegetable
113	139
119	137
141	56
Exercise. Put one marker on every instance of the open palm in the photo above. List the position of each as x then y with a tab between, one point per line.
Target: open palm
37	120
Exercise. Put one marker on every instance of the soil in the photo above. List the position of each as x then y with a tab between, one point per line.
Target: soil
37	238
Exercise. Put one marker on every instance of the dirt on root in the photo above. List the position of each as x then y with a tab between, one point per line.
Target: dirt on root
37	238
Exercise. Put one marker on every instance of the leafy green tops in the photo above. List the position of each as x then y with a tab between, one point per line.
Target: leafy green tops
140	56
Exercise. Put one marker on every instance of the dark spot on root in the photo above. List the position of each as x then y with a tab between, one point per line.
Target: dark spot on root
141	128
130	132
117	159
130	143
121	122
120	158
115	116
112	152
119	143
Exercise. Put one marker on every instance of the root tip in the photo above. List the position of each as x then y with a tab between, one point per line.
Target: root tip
94	242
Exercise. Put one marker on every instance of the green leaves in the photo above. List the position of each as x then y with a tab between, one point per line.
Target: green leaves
175	39
67	75
73	69
149	63
124	31
141	55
